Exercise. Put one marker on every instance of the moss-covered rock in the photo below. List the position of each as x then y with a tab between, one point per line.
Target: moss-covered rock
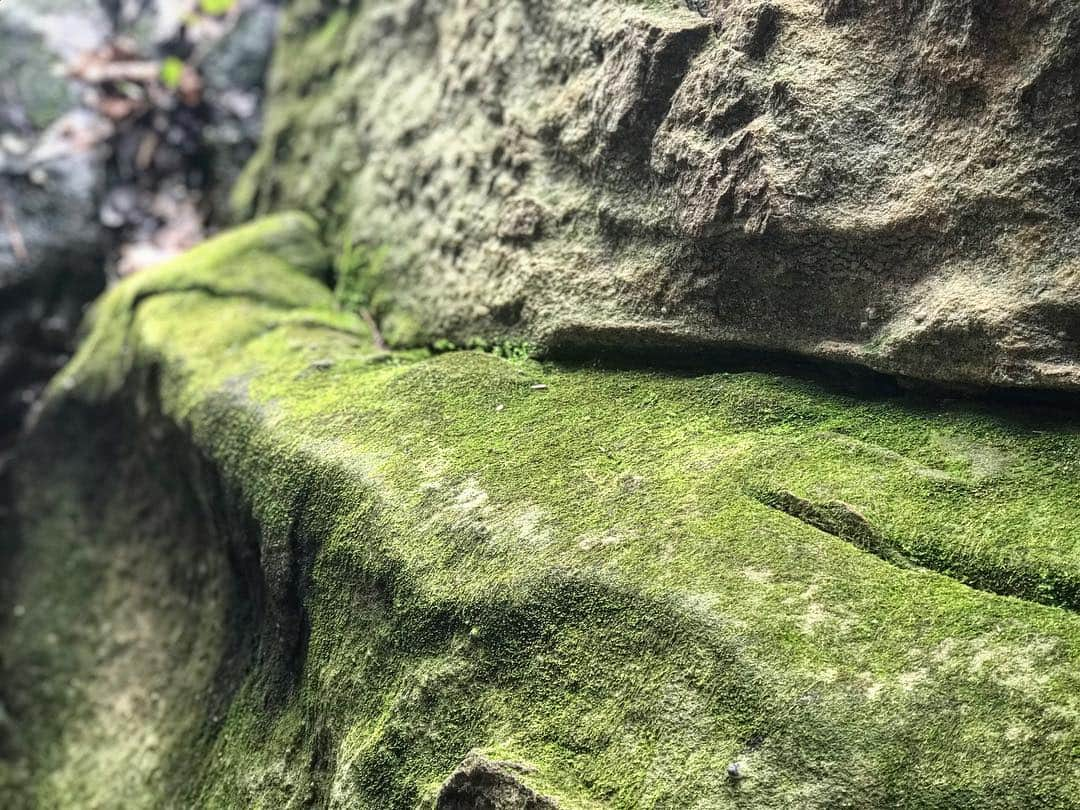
263	563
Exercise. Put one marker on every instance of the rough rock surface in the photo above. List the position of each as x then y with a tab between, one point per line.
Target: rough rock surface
890	183
319	574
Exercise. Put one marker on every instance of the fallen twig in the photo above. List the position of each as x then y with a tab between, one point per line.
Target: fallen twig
18	244
376	335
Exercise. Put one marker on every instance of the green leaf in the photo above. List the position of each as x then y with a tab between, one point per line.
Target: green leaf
216	7
172	70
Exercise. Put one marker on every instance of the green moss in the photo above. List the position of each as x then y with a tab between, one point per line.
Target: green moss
573	567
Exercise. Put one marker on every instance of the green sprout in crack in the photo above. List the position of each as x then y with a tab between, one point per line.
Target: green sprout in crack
359	272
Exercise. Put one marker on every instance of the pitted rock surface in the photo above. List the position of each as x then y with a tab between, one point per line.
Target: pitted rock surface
890	183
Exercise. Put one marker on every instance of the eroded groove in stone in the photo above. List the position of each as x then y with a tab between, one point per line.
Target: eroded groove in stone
844	521
838	519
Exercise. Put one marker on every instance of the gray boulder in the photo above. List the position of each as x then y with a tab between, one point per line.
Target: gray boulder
52	177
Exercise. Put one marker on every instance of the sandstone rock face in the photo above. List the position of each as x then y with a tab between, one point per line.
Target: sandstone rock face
891	183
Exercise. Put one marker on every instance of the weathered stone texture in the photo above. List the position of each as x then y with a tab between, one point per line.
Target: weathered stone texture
885	182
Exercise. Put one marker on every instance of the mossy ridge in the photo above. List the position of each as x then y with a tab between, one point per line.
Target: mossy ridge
581	578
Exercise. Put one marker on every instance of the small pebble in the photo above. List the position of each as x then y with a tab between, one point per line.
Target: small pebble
499	407
13	144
